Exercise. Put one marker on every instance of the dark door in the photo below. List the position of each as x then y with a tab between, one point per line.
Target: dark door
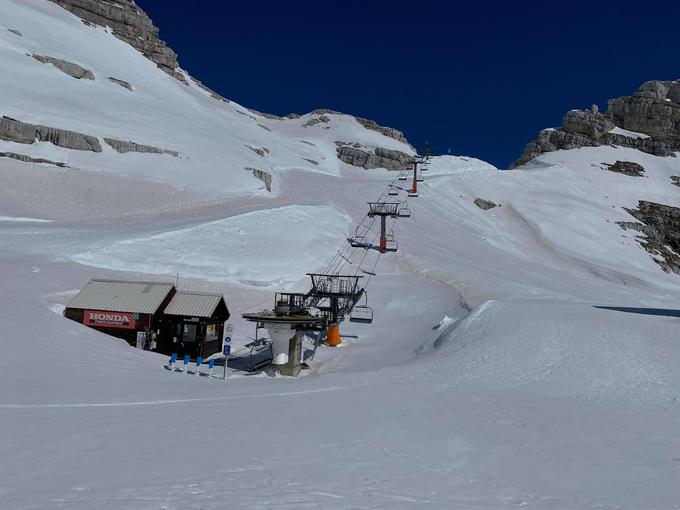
190	343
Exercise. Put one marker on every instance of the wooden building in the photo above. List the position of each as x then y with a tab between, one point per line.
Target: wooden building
193	323
154	313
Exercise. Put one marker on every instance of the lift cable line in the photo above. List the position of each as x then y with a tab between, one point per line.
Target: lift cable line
336	293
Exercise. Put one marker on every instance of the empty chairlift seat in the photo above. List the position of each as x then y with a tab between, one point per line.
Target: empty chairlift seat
404	212
361	314
390	242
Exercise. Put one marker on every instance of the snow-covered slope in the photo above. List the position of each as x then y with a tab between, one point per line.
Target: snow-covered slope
524	355
219	144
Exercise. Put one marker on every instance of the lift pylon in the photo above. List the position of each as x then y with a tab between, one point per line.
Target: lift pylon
384	210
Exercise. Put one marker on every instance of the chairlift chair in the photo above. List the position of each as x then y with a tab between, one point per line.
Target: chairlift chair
412	194
391	244
404	212
419	179
393	191
358	242
403	177
362	314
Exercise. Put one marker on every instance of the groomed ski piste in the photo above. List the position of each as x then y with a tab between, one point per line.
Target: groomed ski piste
492	377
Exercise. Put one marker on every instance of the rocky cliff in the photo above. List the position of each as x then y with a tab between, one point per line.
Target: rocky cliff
659	229
130	24
649	121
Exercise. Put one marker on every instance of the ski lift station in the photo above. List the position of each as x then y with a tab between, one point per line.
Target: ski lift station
158	317
155	314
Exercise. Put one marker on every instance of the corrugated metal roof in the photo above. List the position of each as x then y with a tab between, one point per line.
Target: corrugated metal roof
194	304
122	296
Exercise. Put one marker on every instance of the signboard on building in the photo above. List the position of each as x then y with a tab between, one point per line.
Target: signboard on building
122	320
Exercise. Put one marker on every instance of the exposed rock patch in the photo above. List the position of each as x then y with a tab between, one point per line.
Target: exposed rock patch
269	116
626	168
122	83
15	32
246	115
210	91
379	158
387	131
321	119
28	159
130	24
675	179
660	232
260	151
14	131
265	177
122	147
73	70
650	118
316	163
485	204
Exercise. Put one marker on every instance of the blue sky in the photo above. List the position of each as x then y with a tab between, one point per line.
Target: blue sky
477	78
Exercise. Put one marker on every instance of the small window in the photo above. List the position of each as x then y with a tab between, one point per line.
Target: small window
211	333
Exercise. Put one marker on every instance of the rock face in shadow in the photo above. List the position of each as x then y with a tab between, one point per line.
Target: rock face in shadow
652	114
14	131
660	232
130	24
379	158
73	70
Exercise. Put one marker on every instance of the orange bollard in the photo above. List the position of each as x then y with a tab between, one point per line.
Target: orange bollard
333	335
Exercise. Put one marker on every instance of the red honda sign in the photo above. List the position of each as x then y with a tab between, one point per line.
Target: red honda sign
121	320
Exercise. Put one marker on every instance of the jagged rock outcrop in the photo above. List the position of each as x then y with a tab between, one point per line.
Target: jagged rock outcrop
660	229
73	70
130	24
626	168
379	158
122	83
123	147
675	179
653	112
15	131
485	204
387	131
322	114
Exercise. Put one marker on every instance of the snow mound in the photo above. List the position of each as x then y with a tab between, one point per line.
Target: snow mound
261	248
623	352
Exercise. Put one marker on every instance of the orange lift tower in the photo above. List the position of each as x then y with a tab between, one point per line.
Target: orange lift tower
385	210
413	192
